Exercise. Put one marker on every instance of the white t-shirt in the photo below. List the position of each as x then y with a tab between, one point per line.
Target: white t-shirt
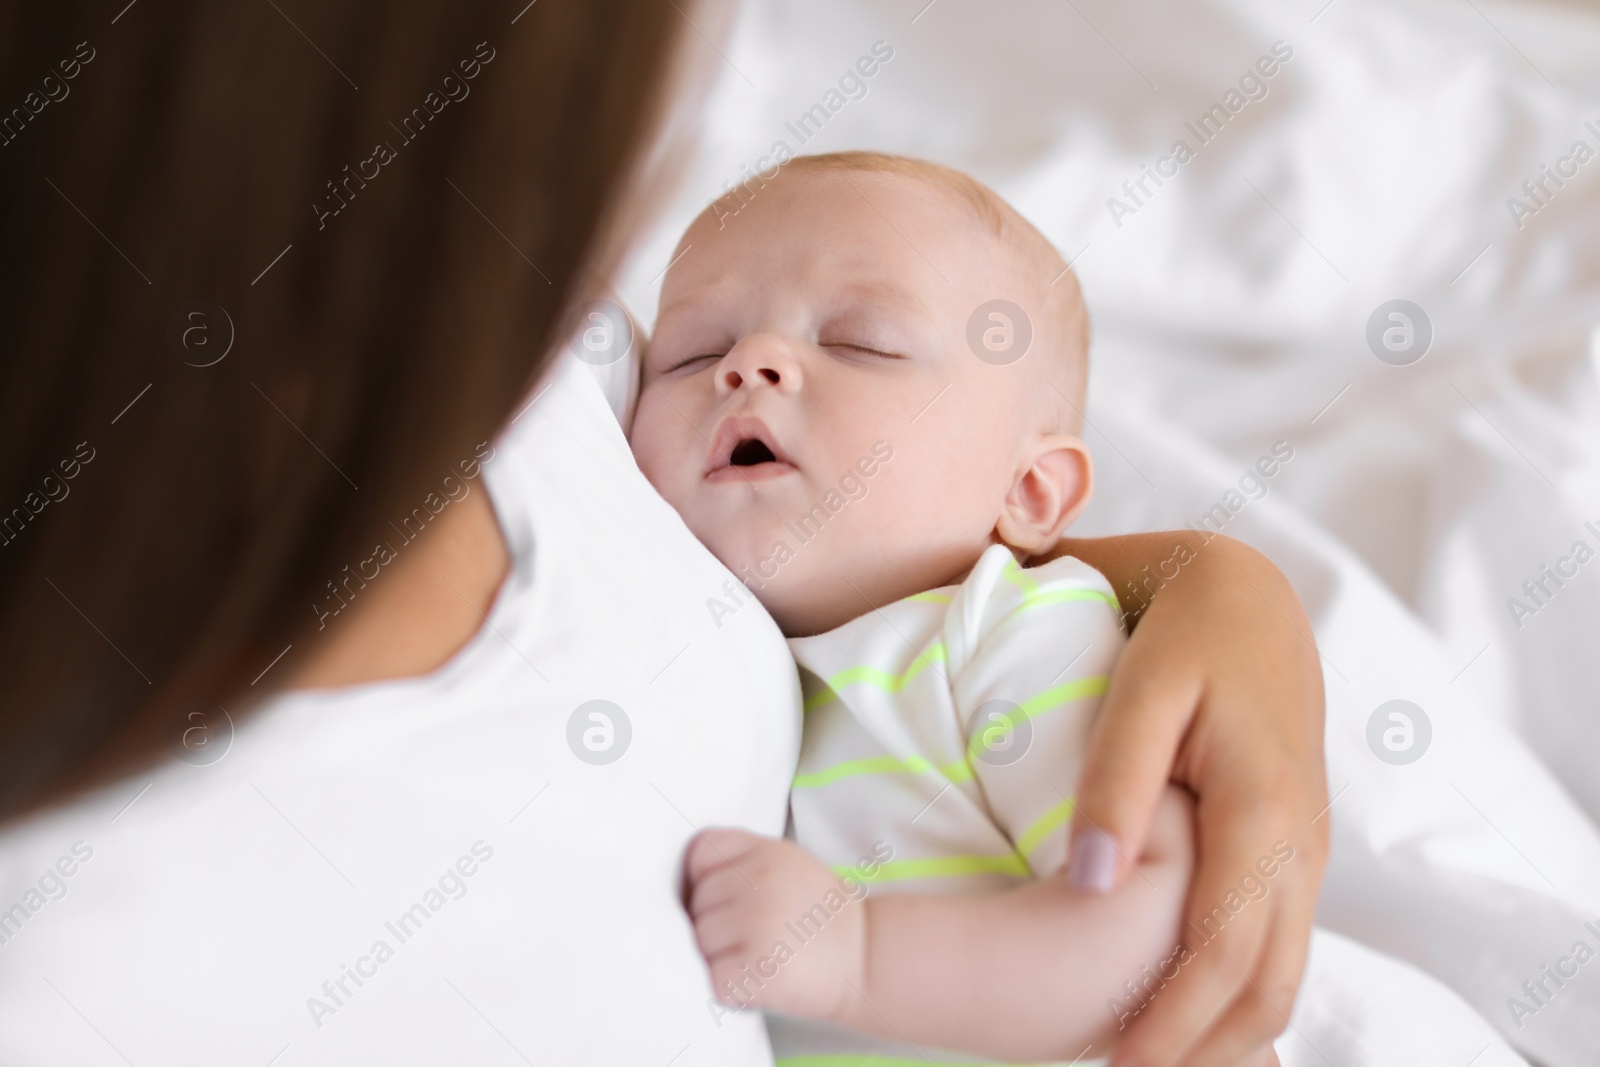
425	871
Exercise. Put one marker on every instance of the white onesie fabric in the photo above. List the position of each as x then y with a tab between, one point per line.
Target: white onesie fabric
943	738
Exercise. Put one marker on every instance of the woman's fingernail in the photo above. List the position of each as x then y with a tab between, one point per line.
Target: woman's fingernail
1092	865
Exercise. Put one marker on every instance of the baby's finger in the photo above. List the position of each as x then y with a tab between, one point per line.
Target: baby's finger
1130	756
721	887
1258	1056
710	849
730	979
720	932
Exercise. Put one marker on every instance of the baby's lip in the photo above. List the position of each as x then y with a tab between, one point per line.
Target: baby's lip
744	449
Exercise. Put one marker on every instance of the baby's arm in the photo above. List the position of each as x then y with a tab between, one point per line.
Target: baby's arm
1032	973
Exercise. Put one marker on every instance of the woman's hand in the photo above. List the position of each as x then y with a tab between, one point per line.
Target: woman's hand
1220	690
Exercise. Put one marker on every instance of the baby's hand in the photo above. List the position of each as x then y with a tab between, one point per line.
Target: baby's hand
778	929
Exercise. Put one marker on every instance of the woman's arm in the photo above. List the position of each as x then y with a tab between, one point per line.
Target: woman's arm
1220	690
430	603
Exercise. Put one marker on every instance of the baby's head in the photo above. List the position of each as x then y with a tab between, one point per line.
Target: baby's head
837	398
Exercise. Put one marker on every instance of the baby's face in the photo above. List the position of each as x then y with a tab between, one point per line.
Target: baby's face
811	405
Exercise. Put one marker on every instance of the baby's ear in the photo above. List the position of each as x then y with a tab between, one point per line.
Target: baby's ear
1051	486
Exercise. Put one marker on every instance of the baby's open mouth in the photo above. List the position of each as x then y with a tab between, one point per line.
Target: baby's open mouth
744	449
750	453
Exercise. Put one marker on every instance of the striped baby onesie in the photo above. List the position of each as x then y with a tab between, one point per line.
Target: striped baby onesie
950	727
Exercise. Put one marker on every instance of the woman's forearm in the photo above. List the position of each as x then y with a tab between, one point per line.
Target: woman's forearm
1140	566
1219	689
1200	576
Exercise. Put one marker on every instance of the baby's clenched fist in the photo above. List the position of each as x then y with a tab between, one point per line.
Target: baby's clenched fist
778	929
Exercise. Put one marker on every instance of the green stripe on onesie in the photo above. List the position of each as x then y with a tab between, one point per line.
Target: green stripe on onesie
944	735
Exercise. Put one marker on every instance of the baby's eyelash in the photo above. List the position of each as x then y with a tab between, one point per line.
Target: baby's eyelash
876	352
692	359
862	348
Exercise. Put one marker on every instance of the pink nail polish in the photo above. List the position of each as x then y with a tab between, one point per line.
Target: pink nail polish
1092	865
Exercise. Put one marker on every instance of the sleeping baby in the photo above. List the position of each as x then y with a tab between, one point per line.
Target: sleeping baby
863	395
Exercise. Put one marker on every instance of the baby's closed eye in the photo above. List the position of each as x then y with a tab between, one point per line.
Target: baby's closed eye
692	363
861	349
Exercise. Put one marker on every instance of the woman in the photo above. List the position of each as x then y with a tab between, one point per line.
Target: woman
279	281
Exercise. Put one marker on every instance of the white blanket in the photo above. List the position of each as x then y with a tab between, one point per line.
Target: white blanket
1385	159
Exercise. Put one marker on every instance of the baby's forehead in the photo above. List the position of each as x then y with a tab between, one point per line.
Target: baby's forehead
885	220
872	219
820	191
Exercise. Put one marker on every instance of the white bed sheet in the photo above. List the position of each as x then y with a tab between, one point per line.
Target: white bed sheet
1230	312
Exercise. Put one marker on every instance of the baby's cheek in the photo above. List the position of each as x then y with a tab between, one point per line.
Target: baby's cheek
652	448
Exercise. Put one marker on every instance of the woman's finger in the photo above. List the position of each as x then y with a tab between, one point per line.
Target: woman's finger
1228	919
1262	1009
1130	755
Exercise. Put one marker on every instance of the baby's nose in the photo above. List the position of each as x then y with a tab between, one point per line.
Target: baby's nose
755	362
734	377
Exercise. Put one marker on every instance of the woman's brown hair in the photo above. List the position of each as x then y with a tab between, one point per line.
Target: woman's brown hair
270	270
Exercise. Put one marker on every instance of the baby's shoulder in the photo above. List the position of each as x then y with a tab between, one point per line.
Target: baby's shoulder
1067	572
1002	603
999	582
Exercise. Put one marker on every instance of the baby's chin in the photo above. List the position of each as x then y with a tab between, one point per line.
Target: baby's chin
793	602
757	559
780	579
